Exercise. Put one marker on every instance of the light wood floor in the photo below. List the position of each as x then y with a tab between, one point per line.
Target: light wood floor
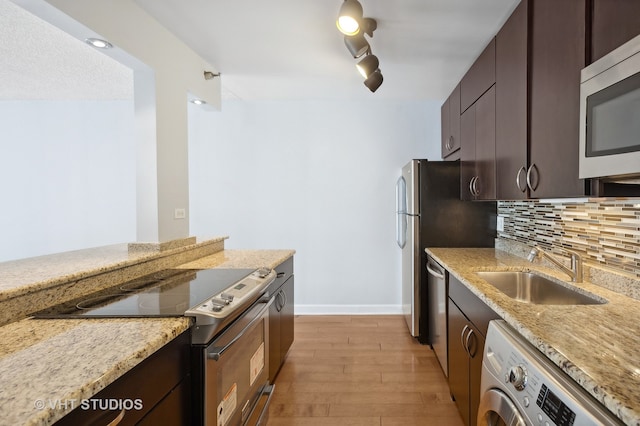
360	371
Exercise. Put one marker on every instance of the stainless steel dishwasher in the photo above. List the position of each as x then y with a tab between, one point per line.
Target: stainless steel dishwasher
437	282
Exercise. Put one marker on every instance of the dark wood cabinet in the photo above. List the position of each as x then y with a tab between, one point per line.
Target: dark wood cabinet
613	23
480	77
450	126
468	320
511	105
540	52
157	388
281	317
477	152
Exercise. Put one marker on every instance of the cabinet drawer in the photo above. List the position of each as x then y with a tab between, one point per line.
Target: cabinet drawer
474	309
480	77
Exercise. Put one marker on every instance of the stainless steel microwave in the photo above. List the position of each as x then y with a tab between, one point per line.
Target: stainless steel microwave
610	114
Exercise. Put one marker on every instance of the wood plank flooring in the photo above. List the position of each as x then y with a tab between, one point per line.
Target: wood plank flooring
360	371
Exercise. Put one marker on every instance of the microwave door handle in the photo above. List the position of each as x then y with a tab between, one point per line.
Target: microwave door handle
217	352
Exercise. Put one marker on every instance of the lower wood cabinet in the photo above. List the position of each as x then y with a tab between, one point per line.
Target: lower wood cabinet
281	317
156	391
468	320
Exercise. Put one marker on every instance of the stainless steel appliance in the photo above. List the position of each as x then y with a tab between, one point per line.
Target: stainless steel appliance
610	114
430	214
437	288
520	387
230	346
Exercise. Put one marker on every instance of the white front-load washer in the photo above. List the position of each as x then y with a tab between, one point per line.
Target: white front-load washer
521	387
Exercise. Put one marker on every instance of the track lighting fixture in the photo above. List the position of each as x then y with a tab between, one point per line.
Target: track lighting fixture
349	17
374	80
357	45
354	26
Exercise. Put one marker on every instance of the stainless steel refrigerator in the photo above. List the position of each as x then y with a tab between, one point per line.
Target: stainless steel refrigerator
431	214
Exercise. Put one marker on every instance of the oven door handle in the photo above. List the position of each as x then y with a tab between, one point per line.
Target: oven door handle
216	352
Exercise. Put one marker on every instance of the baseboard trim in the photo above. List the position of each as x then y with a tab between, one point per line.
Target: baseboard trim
348	309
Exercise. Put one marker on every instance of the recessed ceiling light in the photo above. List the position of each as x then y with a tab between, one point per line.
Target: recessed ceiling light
100	44
198	101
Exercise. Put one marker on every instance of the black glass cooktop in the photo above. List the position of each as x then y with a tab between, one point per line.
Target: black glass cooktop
167	293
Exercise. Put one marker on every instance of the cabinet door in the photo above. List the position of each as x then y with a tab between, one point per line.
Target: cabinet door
613	23
480	77
467	152
274	339
511	106
450	121
458	361
557	57
445	133
486	145
287	319
476	350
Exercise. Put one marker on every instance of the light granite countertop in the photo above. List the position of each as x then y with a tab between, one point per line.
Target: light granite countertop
596	345
48	365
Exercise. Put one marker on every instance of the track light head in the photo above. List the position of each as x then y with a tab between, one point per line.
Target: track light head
369	25
349	17
374	81
368	65
357	45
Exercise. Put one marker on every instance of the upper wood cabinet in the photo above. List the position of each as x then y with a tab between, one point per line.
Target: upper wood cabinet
613	23
450	125
480	77
477	152
539	54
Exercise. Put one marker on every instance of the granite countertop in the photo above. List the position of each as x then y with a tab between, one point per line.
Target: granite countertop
596	345
240	259
44	363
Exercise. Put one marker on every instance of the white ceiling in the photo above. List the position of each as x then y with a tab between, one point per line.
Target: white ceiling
39	61
266	50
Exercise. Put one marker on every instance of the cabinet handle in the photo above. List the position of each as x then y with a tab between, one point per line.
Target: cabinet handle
449	143
531	167
118	419
462	338
466	343
471	185
520	171
280	274
474	186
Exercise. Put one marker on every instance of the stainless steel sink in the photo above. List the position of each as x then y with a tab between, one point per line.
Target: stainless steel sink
532	288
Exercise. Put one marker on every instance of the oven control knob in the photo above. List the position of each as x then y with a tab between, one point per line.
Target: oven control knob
216	308
518	377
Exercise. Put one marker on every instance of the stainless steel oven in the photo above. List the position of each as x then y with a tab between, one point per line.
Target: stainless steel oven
610	114
235	371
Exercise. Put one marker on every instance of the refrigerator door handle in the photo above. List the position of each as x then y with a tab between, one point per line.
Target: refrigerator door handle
401	229
401	209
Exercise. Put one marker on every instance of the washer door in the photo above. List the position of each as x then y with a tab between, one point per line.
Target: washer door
496	409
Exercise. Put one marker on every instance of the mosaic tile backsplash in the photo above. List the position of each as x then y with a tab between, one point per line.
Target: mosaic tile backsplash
603	231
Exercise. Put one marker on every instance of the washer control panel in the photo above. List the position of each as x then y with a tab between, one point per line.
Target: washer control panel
541	393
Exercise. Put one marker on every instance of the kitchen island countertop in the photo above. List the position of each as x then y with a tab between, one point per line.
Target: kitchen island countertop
46	366
598	346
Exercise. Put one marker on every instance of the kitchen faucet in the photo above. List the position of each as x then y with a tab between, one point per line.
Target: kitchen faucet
575	272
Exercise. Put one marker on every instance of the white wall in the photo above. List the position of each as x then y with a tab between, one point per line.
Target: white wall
318	177
67	176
